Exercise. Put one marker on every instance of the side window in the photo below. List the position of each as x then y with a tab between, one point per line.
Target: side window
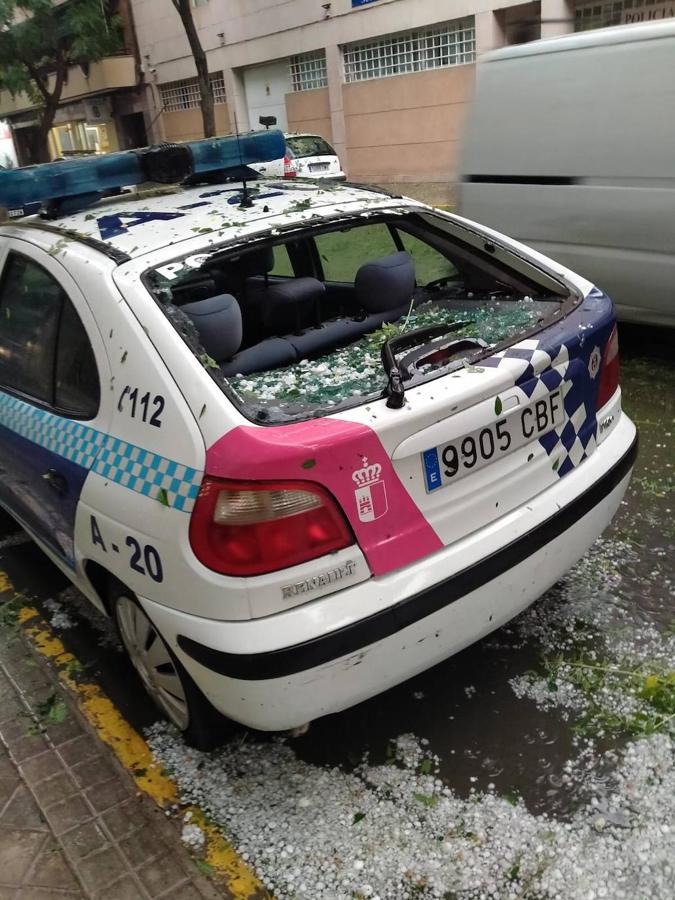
30	306
430	265
282	263
44	350
77	389
342	253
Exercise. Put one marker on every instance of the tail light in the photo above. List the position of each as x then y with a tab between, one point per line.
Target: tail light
609	371
249	528
290	167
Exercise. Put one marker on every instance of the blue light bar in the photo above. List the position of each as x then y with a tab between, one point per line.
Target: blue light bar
71	184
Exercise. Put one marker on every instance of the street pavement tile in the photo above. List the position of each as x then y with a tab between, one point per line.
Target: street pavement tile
51	870
54	789
7	768
23	748
7	788
124	889
84	840
18	849
67	814
11	708
92	771
22	811
64	731
183	892
161	874
142	847
40	767
101	869
79	749
107	794
124	819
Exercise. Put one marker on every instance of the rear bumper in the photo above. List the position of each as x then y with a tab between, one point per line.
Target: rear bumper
321	657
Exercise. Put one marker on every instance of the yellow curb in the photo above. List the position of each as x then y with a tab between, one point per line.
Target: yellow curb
135	755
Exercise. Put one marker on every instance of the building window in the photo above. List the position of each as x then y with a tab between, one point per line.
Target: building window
449	44
308	71
177	95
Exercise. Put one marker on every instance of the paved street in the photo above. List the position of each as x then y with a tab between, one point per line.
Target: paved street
508	724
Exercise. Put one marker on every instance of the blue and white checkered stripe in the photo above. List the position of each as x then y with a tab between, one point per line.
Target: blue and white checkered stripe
143	471
536	372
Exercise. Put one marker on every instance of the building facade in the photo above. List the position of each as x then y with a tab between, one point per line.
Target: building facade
102	107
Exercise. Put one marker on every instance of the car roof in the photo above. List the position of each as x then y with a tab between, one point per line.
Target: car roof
132	225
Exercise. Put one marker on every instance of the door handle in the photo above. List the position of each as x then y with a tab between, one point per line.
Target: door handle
56	481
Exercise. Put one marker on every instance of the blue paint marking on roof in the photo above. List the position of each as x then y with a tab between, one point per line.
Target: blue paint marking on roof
119	223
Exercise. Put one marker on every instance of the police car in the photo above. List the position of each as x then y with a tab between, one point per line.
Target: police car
301	442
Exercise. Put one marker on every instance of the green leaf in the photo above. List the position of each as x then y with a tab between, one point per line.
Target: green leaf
498	406
309	464
426	766
208	361
429	800
358	817
204	867
163	497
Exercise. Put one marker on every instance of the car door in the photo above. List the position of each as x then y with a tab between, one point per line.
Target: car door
49	396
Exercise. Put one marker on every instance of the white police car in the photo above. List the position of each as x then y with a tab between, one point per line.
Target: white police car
301	442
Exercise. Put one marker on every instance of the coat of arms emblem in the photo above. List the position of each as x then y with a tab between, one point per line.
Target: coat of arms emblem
370	493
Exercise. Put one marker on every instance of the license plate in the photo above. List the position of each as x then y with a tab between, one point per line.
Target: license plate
318	167
447	463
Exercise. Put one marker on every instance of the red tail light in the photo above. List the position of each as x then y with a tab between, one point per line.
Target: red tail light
609	371
290	168
249	528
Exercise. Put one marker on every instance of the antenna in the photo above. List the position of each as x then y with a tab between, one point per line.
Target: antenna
246	201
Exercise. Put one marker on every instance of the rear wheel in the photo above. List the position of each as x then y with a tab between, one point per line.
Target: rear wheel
164	678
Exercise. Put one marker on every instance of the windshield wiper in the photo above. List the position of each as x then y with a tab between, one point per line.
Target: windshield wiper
395	390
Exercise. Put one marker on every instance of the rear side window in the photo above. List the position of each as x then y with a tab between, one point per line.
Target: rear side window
343	252
309	145
45	352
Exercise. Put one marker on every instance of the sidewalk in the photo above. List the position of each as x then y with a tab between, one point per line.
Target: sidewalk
71	822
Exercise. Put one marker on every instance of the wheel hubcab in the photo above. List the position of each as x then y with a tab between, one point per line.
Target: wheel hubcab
151	658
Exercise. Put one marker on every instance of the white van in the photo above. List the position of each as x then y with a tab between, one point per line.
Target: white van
570	146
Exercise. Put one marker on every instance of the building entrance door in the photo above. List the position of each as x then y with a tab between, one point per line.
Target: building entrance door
266	88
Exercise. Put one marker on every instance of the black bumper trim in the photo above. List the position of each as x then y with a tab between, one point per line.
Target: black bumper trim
352	638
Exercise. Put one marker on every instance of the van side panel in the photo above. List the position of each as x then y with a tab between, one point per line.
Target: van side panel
572	150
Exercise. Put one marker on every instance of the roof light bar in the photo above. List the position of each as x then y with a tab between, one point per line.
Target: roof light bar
67	185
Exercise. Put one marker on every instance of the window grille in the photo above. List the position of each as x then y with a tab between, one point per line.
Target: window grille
449	44
308	71
177	95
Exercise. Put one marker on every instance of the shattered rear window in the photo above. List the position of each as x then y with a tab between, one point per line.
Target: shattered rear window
293	326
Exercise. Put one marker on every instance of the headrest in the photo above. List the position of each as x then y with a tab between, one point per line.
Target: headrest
218	321
385	283
258	262
295	290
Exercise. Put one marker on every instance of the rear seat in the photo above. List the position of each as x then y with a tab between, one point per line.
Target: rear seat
384	288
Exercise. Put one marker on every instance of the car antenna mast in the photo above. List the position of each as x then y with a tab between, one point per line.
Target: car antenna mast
246	201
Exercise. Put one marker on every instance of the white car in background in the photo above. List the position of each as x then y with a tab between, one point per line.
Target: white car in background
307	156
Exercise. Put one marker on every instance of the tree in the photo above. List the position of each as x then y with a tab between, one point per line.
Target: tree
40	40
184	10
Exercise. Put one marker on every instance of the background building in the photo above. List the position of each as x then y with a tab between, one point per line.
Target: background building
102	104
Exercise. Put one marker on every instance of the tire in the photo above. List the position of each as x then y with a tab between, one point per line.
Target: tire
165	680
